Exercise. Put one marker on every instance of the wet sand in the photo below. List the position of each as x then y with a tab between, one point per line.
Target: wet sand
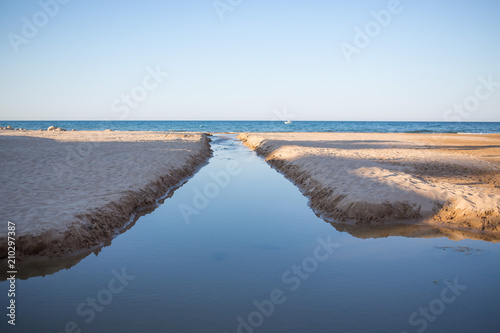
71	191
450	180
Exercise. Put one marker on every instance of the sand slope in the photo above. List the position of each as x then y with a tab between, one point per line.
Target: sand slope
375	178
68	191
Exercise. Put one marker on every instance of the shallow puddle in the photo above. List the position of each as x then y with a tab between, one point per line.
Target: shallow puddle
237	249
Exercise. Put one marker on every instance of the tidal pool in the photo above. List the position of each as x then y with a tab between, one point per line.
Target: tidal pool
237	249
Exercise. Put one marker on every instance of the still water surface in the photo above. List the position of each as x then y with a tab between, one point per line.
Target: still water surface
237	249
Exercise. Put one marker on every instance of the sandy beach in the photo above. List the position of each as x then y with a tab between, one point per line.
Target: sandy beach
70	191
450	180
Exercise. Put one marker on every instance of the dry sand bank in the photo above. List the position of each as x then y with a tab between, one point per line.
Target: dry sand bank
450	180
69	191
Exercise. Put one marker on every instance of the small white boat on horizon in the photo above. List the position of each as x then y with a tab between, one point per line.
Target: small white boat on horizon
288	122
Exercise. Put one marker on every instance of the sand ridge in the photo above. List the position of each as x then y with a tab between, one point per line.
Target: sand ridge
68	191
443	179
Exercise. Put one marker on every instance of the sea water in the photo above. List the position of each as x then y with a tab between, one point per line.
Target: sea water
266	126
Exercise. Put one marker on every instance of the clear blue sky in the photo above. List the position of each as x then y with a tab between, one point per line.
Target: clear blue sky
265	55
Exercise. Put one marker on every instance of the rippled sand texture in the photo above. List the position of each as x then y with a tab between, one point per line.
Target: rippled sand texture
69	191
443	179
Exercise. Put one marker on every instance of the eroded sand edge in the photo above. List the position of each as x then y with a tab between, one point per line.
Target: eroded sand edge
69	191
442	179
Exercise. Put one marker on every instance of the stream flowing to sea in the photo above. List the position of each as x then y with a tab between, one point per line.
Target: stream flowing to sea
237	249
